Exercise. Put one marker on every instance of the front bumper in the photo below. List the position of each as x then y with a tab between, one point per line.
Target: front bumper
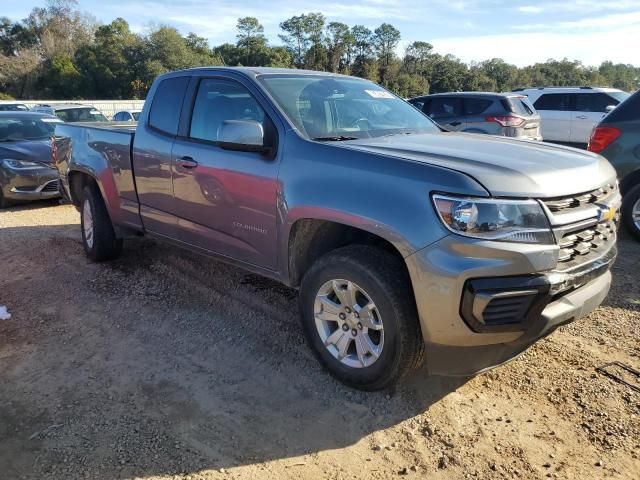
460	343
30	185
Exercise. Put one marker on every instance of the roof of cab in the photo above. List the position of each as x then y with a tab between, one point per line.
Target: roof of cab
256	71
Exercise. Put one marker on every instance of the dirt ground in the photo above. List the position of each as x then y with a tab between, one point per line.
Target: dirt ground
165	364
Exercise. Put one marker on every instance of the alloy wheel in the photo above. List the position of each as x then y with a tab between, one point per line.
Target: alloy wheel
349	323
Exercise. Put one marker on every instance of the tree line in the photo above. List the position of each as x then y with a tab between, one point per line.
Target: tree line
60	52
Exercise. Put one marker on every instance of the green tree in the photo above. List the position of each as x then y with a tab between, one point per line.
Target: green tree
418	58
252	41
108	66
385	39
63	80
340	42
303	36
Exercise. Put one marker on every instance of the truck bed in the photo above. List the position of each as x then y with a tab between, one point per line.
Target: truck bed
103	149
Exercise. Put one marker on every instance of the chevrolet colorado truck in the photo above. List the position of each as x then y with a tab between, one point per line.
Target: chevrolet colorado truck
407	244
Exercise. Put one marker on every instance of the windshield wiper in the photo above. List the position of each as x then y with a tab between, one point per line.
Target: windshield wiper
336	138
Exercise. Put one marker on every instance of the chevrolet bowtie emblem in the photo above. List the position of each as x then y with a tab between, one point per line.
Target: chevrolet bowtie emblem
608	214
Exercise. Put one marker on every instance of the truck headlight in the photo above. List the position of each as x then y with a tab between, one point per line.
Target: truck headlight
21	164
521	221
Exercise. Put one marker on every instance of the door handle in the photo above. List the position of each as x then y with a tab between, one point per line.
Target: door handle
187	162
455	124
581	117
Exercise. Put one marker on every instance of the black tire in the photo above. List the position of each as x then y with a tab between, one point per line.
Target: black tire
104	244
384	277
628	202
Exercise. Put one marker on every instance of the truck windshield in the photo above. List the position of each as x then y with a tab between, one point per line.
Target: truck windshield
342	108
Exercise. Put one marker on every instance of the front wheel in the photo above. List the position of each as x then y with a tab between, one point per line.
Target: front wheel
631	211
98	236
359	316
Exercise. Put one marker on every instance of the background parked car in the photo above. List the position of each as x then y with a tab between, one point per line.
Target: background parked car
509	115
72	112
617	137
26	169
570	113
9	106
127	116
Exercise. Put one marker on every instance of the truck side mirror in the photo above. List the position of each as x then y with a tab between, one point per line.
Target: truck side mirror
242	135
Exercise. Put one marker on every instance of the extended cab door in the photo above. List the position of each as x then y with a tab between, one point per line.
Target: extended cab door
555	116
225	200
152	146
588	109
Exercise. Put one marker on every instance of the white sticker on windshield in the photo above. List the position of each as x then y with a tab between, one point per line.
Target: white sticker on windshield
379	93
51	120
94	112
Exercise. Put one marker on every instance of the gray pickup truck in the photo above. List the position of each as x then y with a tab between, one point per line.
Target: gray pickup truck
406	243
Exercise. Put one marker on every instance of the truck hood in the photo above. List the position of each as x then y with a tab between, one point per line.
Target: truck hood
505	167
30	150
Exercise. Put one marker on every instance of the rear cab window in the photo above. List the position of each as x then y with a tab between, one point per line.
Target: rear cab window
164	115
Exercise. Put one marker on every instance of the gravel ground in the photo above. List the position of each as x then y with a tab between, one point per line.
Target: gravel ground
164	364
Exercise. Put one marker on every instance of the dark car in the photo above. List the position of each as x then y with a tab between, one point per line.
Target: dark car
26	169
505	114
617	138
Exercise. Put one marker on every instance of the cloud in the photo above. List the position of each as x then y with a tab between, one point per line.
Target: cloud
530	9
610	22
620	46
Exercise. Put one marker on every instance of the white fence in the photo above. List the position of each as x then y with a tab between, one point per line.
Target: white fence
108	107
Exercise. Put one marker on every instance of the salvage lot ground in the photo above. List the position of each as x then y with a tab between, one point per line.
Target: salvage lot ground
164	364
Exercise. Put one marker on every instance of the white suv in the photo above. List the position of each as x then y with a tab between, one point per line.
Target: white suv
568	114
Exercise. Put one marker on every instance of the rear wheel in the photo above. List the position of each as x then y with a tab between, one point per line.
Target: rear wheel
359	316
631	211
98	236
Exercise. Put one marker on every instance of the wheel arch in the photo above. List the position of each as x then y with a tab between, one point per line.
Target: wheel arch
78	179
311	238
629	181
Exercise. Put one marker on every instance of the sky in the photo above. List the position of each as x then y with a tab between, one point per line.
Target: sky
520	32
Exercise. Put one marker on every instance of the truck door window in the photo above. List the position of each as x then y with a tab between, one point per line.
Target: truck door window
167	103
220	100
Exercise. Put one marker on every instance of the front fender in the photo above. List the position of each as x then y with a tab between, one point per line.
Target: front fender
385	196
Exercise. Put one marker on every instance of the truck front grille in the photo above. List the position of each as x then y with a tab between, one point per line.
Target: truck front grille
584	224
580	200
580	245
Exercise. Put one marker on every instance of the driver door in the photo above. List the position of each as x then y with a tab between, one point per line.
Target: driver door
225	201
